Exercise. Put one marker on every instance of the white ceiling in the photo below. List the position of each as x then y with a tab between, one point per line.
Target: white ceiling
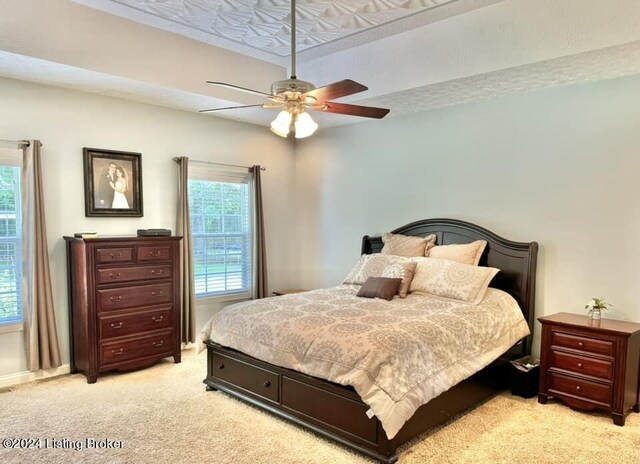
444	52
265	24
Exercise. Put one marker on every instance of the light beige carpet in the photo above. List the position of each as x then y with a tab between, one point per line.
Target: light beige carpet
164	415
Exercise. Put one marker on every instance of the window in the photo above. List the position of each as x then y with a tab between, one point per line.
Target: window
10	238
219	209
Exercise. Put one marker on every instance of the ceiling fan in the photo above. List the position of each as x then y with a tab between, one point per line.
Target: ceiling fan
294	97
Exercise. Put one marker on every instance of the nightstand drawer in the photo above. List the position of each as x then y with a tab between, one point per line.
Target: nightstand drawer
580	342
584	389
602	369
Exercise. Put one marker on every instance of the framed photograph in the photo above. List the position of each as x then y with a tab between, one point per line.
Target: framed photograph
112	183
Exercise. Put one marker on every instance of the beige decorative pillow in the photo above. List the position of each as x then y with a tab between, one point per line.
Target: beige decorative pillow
468	253
406	245
402	271
451	279
371	266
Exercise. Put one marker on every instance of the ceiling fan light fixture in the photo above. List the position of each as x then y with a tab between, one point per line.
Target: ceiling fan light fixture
305	125
280	125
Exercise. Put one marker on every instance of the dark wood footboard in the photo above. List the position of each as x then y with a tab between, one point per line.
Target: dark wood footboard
336	411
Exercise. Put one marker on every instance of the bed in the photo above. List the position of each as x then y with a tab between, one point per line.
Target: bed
334	409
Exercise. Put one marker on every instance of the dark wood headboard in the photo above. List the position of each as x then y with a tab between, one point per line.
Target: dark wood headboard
516	260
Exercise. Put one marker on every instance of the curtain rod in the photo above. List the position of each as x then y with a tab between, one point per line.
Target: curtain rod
177	160
16	142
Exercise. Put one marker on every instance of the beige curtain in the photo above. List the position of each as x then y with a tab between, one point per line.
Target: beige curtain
40	334
183	228
260	283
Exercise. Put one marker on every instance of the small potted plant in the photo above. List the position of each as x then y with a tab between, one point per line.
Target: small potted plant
595	307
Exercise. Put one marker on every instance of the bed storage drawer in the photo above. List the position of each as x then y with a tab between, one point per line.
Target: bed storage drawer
303	398
253	379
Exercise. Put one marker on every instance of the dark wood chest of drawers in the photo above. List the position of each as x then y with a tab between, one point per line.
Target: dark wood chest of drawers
124	304
591	364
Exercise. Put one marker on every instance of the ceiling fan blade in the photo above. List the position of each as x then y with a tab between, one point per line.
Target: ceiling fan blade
241	89
228	108
353	110
336	90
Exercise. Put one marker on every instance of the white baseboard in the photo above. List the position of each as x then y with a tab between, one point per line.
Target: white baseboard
11	380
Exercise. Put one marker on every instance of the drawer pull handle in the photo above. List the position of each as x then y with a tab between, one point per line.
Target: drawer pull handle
157	318
115	299
154	272
579	364
117	352
578	387
160	343
155	253
220	366
160	293
115	255
117	325
114	276
580	344
267	384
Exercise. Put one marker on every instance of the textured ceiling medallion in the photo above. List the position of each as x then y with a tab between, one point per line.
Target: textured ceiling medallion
264	24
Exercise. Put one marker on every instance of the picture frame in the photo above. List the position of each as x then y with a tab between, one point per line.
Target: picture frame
112	183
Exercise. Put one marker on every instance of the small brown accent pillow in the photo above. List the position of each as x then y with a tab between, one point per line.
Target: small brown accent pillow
380	287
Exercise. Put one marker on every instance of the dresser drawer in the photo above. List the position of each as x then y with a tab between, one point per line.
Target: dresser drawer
146	254
129	297
128	324
305	399
258	381
141	347
580	342
582	365
584	389
128	274
114	255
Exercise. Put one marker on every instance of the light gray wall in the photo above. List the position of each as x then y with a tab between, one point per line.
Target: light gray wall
65	121
558	166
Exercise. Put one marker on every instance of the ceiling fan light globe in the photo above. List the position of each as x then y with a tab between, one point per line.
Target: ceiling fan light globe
280	125
305	126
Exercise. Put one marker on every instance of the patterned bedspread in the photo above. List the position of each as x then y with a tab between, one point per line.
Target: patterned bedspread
398	355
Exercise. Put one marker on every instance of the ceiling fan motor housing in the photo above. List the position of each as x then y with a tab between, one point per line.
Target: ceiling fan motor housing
291	85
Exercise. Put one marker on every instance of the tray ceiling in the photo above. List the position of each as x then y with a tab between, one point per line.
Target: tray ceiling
264	24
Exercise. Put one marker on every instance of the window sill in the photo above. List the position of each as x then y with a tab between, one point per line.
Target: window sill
6	328
200	300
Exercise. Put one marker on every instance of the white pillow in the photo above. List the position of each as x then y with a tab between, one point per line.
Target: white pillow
451	279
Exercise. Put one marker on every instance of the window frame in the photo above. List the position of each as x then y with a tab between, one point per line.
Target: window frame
11	157
212	174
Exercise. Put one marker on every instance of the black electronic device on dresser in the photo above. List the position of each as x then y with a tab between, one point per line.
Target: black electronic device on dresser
124	304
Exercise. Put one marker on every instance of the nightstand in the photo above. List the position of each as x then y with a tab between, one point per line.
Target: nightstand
590	364
288	292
